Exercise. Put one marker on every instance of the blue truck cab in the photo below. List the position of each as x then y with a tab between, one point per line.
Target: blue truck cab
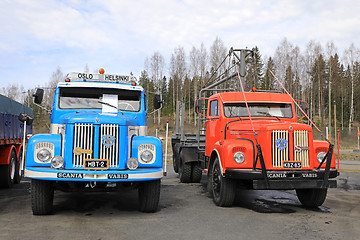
98	140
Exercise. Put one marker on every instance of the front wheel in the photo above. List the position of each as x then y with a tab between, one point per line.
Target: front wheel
312	197
223	189
42	196
149	195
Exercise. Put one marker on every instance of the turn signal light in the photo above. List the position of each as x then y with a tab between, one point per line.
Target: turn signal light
101	71
67	80
254	89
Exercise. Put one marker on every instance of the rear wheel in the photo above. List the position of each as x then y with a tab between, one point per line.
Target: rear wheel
149	195
7	172
223	189
312	197
185	172
18	172
196	172
42	196
175	164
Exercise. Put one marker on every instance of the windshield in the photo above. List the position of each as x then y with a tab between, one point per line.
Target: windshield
93	98
280	110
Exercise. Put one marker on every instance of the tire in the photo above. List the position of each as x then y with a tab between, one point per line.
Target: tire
185	172
196	173
313	197
7	172
18	172
149	195
42	196
223	189
175	164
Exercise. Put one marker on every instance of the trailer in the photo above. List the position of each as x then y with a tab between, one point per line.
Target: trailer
15	123
252	140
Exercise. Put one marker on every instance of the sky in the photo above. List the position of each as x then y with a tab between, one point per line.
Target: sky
38	36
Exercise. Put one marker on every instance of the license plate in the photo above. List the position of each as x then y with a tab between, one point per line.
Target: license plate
96	164
291	165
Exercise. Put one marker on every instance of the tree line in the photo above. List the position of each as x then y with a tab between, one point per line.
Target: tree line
317	74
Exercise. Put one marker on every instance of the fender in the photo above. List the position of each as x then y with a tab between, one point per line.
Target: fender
217	150
5	154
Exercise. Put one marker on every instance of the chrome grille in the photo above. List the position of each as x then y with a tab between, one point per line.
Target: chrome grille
280	152
109	143
83	143
301	147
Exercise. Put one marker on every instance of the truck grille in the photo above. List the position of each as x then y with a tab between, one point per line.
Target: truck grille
280	147
109	143
84	141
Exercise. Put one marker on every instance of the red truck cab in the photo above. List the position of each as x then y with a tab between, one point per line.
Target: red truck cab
267	150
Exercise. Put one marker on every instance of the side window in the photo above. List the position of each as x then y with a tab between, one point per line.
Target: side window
214	108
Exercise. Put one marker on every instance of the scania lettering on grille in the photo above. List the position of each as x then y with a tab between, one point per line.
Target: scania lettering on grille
108	140
70	175
299	148
79	151
281	143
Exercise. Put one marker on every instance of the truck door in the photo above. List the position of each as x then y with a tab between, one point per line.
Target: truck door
212	126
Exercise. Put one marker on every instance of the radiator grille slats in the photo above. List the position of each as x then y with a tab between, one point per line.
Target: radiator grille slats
280	147
83	143
84	140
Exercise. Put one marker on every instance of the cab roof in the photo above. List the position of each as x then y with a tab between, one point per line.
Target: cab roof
228	97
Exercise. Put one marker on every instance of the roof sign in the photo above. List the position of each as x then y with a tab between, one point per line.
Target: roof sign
96	77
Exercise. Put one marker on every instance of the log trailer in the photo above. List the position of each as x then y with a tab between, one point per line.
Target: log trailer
97	142
252	140
15	126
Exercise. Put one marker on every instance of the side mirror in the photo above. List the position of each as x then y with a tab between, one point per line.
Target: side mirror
157	101
198	106
304	107
24	117
38	96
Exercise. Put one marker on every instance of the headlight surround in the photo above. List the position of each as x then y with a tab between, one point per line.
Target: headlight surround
320	156
146	153
57	162
239	157
43	155
132	163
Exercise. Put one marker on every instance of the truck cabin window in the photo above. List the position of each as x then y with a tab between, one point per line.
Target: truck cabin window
280	110
91	98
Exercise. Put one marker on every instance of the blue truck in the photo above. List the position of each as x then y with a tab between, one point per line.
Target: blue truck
13	132
97	142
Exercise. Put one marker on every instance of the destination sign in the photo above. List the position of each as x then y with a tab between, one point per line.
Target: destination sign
96	77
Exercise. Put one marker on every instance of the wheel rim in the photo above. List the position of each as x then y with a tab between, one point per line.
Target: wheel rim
216	180
12	168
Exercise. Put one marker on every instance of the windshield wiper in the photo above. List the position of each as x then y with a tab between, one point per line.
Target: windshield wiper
110	105
269	115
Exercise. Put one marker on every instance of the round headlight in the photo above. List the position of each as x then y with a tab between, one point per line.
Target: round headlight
239	157
132	163
146	156
320	156
57	162
43	155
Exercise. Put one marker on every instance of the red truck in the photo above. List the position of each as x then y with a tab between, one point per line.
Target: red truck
13	115
253	140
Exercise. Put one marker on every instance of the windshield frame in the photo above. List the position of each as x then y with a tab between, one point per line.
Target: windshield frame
100	91
251	104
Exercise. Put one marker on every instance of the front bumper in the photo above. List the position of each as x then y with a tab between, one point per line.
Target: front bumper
285	180
141	174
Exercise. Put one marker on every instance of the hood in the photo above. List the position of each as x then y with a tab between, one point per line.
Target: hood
268	125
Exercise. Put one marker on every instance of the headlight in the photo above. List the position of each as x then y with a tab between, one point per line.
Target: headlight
146	156
132	163
57	162
146	153
239	157
321	156
43	155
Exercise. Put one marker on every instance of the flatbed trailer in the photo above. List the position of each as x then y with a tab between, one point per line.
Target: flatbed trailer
11	140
